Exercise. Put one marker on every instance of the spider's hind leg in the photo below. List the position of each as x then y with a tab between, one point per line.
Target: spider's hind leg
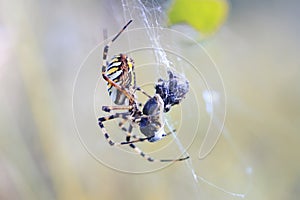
127	131
135	148
107	118
150	159
129	134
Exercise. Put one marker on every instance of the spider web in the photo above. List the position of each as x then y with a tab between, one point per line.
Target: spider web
150	16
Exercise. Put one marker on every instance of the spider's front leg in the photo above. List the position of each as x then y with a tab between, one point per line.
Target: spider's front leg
110	75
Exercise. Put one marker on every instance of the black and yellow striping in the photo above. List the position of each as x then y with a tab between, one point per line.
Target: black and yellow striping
121	71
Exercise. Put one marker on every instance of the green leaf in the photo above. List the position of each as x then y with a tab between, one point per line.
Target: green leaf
206	16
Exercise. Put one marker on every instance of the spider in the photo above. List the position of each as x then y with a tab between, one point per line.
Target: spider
121	85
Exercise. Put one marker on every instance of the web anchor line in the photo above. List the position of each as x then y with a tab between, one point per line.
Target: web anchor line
151	17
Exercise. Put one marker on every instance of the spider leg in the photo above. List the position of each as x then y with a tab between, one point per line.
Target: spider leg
147	157
110	108
104	66
123	90
125	118
139	139
135	148
134	79
129	134
107	118
169	133
142	91
136	138
105	51
127	131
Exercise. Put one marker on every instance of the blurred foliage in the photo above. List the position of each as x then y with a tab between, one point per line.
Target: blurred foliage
206	16
42	44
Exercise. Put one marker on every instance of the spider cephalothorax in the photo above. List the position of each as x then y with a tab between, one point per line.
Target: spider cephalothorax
152	124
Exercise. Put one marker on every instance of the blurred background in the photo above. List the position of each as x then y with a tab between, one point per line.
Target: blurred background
42	45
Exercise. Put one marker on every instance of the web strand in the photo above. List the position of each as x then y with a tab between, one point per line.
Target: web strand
151	17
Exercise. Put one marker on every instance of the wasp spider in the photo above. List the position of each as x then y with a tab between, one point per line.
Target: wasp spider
121	85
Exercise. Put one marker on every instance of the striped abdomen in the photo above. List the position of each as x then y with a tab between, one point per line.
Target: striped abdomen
120	70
